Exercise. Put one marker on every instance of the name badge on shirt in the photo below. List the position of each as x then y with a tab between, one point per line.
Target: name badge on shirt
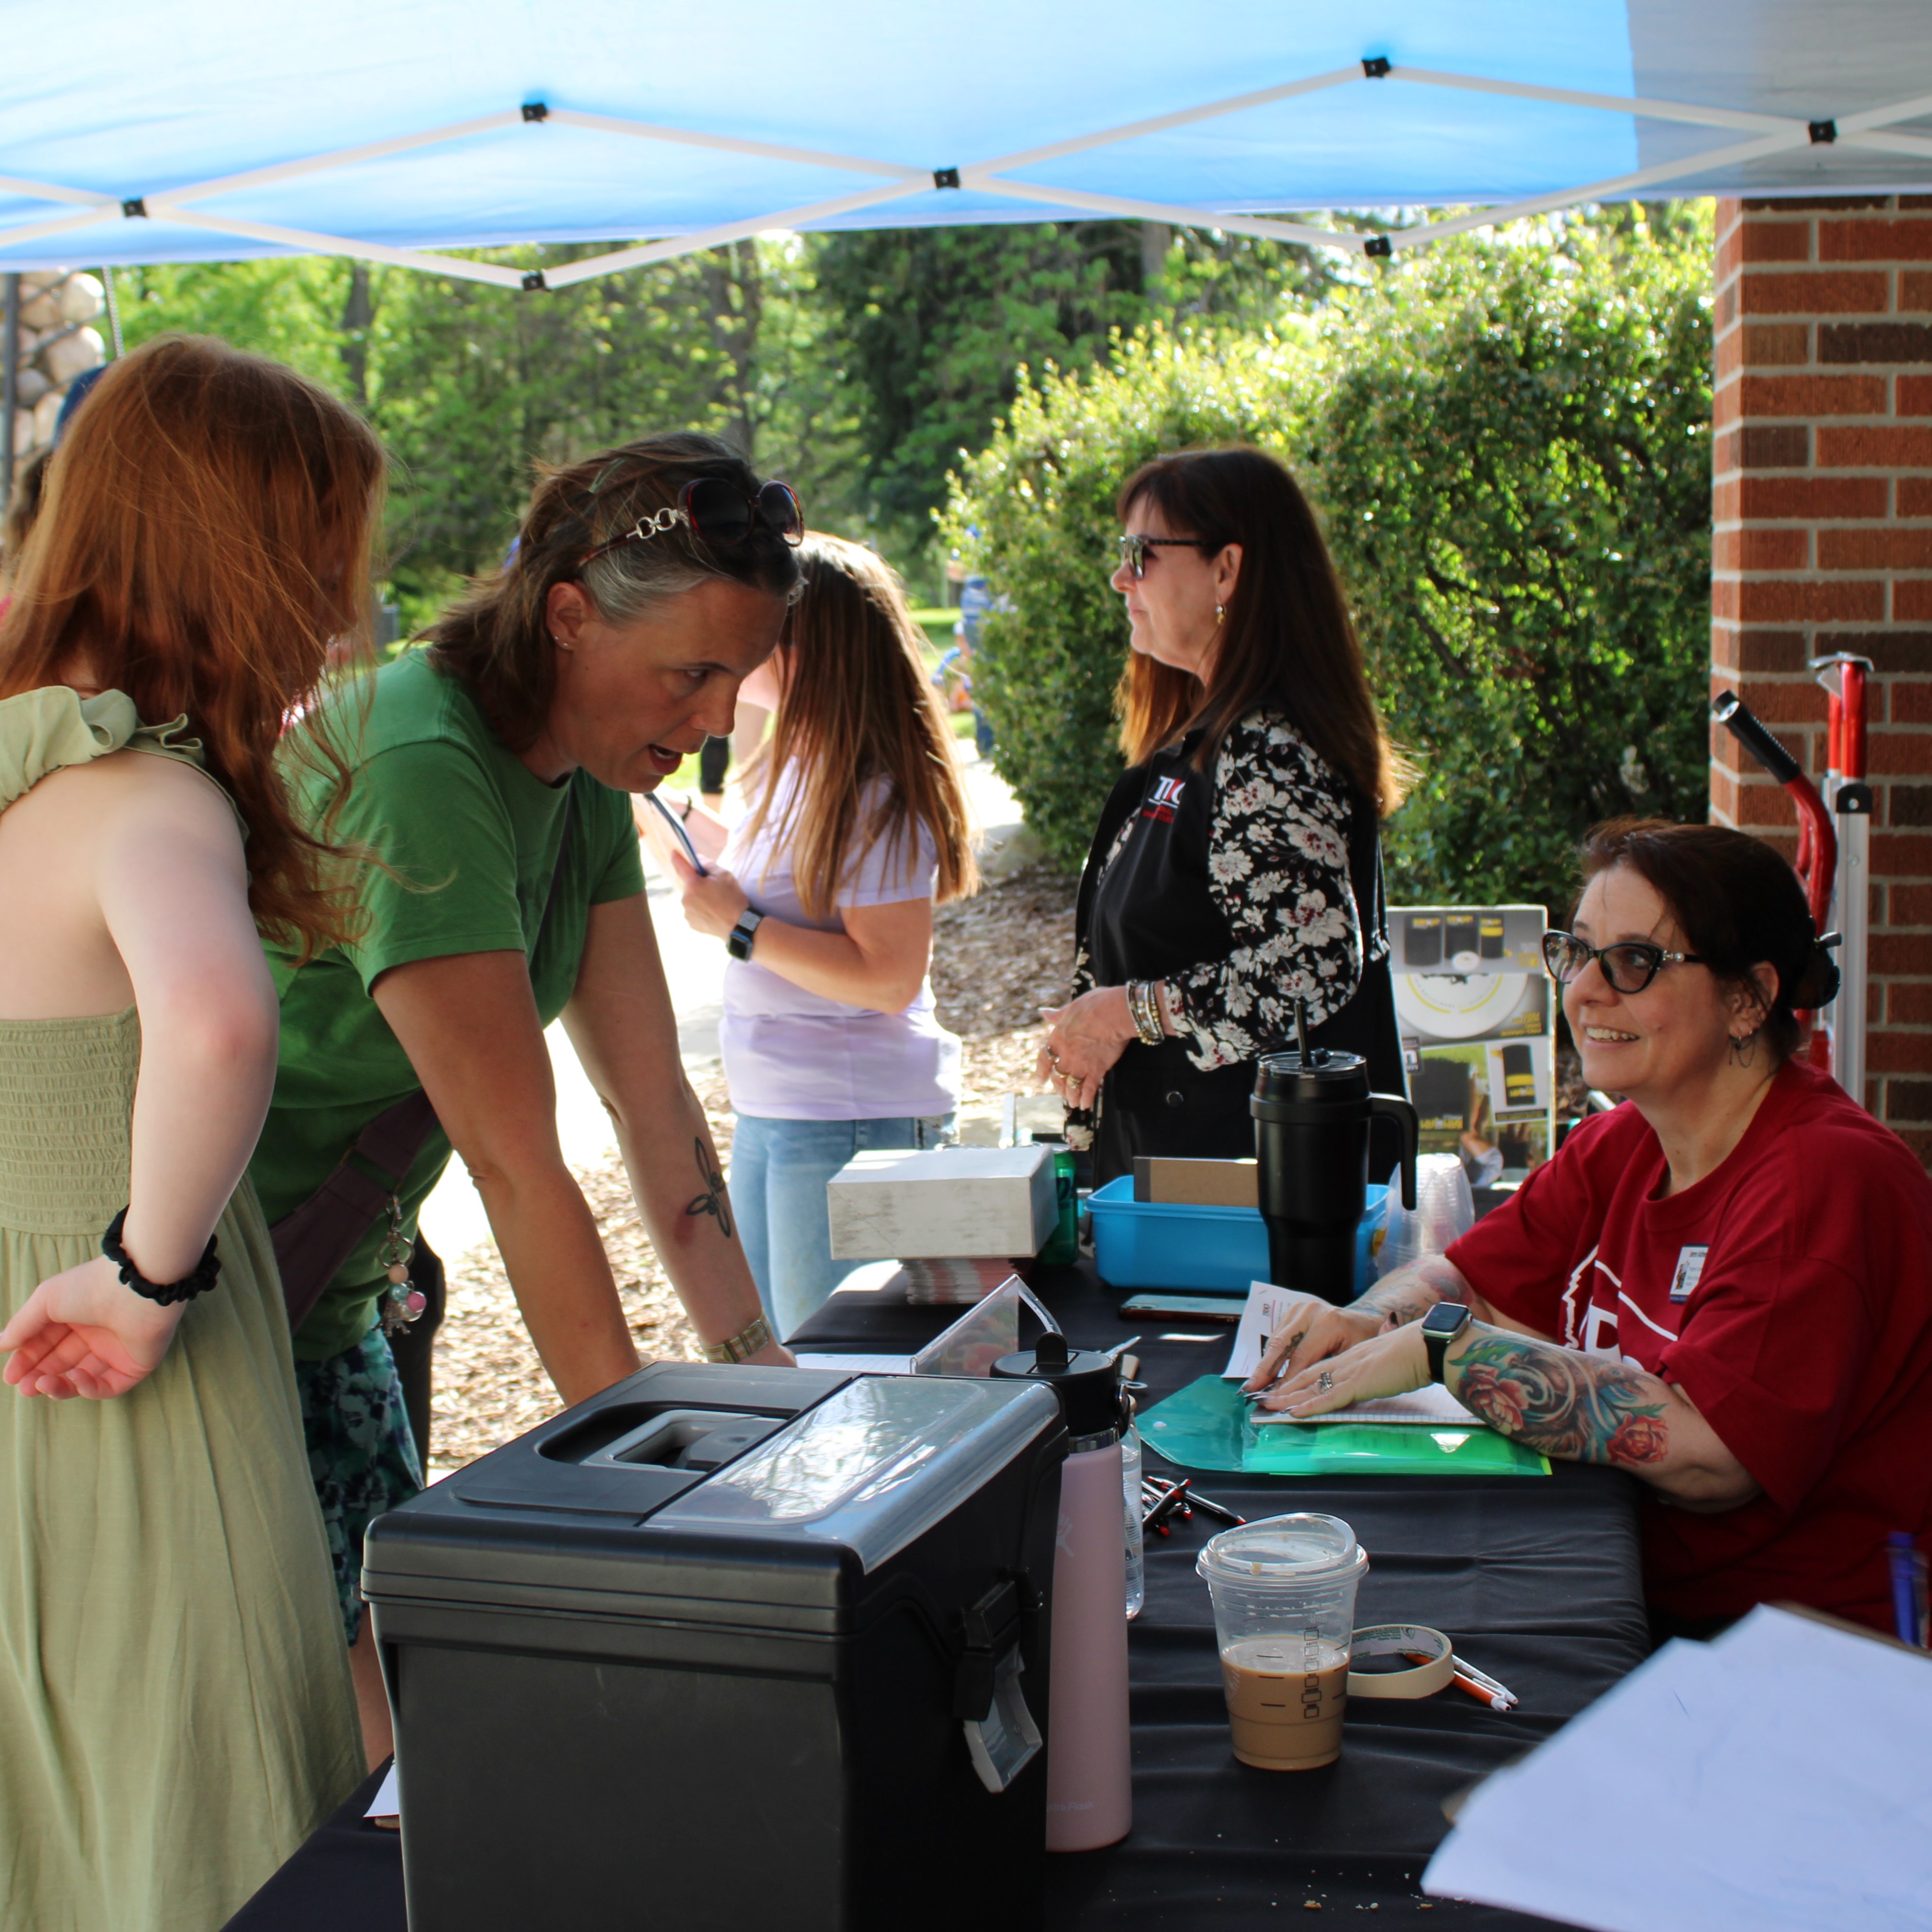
1689	1266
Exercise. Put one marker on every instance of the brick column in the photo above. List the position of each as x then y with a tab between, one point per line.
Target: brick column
1822	540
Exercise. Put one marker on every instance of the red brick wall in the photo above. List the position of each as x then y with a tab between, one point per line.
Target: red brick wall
1822	540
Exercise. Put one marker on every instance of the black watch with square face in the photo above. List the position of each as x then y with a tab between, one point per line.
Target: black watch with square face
1440	1326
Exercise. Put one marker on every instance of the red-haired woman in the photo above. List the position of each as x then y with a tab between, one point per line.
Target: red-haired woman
1237	866
175	1709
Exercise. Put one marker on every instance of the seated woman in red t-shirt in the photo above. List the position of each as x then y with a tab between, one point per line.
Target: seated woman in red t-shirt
1724	1286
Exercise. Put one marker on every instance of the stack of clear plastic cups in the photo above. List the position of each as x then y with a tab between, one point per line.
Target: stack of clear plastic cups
1130	1493
1445	1211
1284	1595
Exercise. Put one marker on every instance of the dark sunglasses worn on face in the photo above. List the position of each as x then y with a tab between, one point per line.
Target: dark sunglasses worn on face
717	512
1134	550
1629	966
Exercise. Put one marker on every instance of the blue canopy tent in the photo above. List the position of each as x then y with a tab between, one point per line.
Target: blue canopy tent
199	130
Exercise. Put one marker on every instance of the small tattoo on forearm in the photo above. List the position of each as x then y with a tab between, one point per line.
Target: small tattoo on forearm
1585	1409
714	1200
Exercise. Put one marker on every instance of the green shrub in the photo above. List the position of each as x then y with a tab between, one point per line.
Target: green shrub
1513	456
1509	442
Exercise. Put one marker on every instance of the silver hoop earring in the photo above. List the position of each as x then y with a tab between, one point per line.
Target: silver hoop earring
1743	1048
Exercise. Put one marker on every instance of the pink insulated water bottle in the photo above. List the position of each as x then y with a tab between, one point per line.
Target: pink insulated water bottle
1089	1789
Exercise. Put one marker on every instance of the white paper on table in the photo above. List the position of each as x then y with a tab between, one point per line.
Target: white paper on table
1434	1405
1774	1780
859	1365
1263	1310
385	1803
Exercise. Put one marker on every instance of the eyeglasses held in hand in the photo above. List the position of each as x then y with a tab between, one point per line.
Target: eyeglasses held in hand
717	512
1134	550
1629	966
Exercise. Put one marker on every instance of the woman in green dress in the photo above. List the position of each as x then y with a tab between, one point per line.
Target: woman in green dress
175	1707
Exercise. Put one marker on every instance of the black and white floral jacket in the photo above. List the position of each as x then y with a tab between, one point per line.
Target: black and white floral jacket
1238	893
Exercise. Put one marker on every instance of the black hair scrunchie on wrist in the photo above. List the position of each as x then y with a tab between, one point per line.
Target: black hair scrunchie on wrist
207	1270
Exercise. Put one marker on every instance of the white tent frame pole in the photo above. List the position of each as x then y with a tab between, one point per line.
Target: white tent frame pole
304	243
339	157
1613	103
810	157
974	176
34	230
1190	217
1865	129
34	190
564	273
1543	204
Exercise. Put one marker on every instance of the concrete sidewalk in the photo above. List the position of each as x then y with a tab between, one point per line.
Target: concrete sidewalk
453	1219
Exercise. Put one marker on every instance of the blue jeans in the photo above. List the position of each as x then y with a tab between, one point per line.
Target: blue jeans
778	1172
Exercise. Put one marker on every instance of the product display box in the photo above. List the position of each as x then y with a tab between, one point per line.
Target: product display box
942	1202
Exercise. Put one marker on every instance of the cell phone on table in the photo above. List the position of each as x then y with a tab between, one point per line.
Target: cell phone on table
677	832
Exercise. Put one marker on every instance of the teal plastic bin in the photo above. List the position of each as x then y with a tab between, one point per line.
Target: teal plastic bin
1163	1244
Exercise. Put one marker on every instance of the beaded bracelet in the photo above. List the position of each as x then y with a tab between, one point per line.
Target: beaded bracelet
1144	1010
207	1270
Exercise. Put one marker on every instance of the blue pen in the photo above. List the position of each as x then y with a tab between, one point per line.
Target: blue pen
1908	1587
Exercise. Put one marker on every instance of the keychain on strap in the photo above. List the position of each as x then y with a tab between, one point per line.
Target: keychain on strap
402	1300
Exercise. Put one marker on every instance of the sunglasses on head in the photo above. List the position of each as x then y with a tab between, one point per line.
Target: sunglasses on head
717	512
1134	550
1629	966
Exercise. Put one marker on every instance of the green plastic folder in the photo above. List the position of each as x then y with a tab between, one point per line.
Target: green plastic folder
1206	1426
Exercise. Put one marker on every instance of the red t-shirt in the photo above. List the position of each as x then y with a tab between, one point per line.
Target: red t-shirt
1788	1295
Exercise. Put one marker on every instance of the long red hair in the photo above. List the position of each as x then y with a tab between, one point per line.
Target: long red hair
204	540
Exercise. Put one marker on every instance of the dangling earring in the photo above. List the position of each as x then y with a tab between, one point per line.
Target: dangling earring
1743	1048
1220	613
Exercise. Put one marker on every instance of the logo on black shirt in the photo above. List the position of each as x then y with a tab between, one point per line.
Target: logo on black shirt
1163	799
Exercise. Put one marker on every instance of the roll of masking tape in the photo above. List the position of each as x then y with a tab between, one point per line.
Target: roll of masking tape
1433	1661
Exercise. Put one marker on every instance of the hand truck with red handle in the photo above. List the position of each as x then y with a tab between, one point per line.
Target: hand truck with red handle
1834	849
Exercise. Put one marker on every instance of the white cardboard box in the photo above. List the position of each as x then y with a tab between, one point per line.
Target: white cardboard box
918	1206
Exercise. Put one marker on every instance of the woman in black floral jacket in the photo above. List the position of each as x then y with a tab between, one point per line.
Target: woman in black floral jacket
1237	866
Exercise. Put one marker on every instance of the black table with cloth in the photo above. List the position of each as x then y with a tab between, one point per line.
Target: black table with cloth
1536	1580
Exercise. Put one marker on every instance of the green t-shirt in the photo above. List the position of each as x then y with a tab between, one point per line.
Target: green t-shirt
473	836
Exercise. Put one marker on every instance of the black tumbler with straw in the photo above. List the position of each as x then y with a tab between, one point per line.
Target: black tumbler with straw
1313	1110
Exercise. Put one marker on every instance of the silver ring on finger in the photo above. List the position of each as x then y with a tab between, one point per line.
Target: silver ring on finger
1324	1382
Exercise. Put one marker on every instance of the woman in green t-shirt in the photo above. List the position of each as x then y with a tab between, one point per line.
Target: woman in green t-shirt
487	773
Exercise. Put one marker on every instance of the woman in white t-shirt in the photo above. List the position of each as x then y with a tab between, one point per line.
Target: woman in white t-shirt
858	825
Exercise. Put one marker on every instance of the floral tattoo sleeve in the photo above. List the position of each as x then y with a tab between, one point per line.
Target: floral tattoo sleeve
1584	1409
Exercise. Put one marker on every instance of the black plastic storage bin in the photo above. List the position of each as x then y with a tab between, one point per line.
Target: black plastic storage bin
726	1648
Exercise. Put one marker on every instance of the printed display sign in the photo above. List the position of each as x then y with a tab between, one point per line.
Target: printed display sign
1477	1014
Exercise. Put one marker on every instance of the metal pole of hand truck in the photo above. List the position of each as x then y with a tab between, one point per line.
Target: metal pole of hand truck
1817	862
1849	798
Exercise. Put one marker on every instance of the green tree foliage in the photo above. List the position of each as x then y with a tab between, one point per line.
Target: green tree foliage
1509	442
1035	509
470	386
930	327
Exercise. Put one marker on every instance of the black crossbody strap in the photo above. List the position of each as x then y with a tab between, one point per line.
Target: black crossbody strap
313	1241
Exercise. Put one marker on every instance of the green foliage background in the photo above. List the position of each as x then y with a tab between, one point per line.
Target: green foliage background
1509	443
1507	437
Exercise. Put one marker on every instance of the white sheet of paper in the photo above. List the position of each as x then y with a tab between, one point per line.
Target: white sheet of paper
1431	1406
1774	1780
385	1803
859	1365
1259	1314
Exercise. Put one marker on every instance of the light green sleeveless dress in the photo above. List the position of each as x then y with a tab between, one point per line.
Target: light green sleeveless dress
175	1709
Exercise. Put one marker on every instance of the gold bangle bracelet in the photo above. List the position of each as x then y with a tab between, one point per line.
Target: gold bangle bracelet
756	1334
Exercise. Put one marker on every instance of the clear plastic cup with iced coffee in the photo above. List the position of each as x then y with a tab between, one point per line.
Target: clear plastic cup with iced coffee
1284	1595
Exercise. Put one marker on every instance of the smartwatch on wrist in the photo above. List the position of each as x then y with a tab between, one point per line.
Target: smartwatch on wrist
1440	1326
739	943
